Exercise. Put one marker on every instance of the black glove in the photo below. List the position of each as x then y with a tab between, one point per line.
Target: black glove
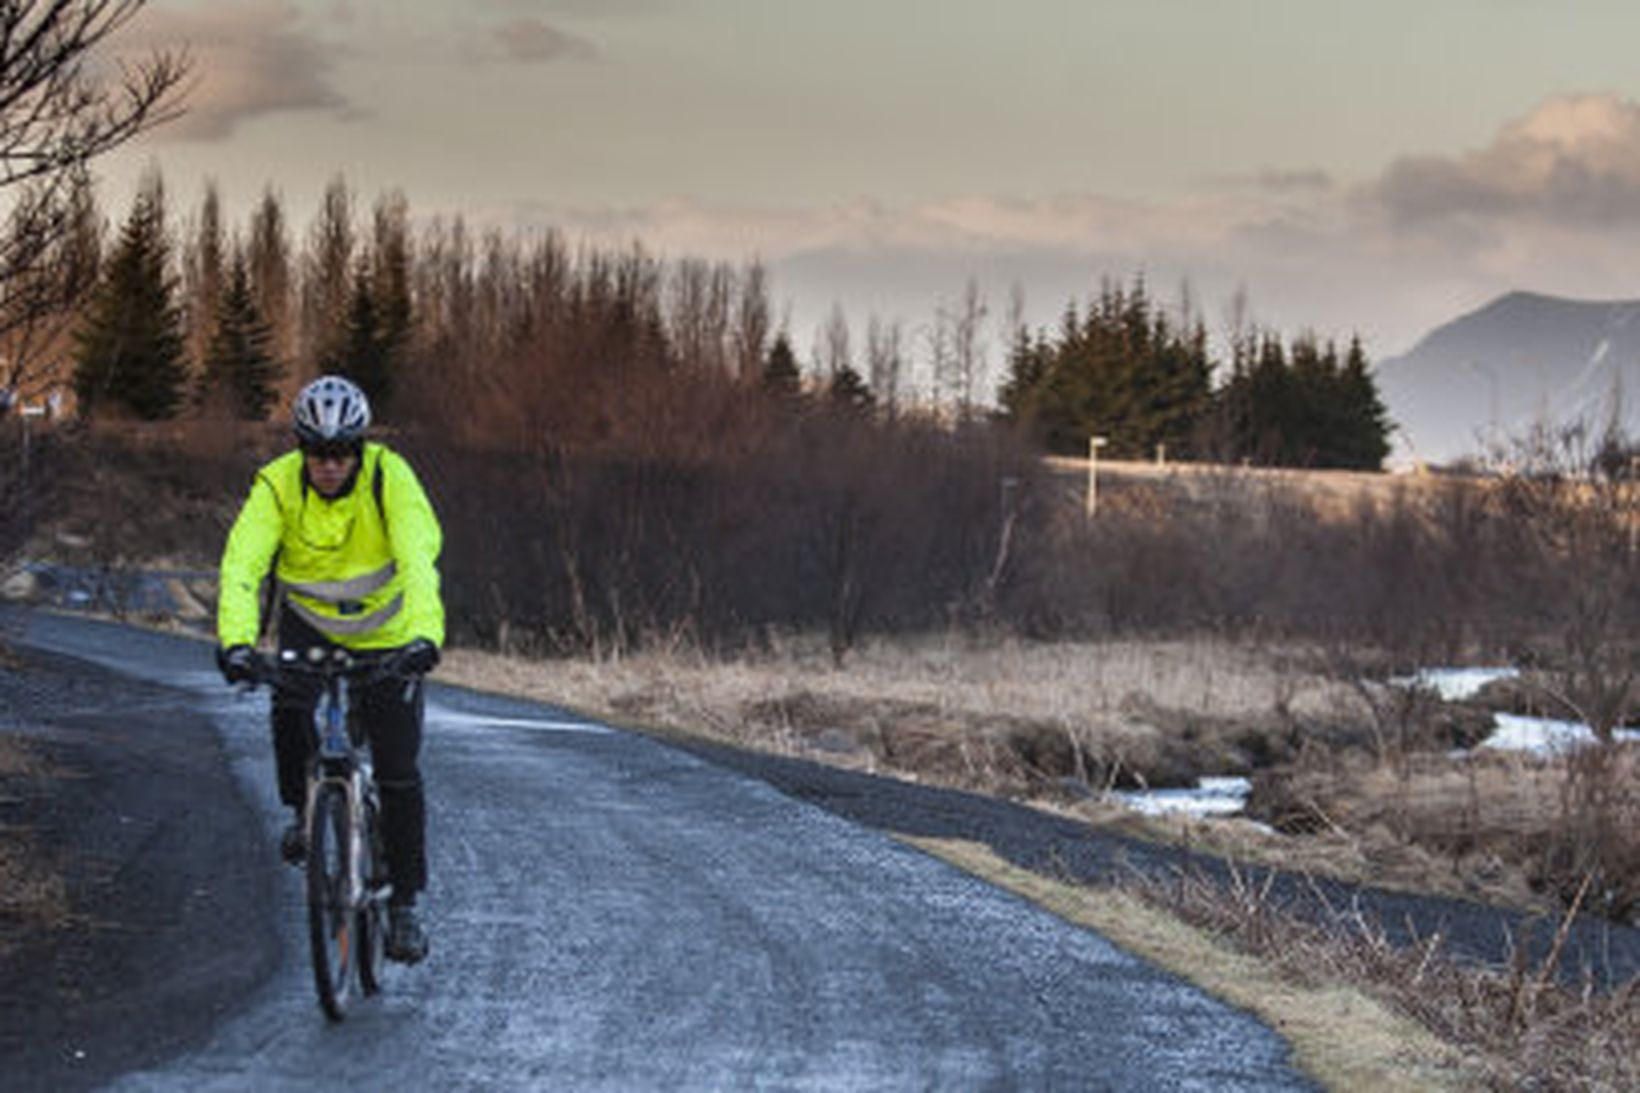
237	663
418	658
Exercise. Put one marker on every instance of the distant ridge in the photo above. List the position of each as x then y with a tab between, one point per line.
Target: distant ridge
1524	358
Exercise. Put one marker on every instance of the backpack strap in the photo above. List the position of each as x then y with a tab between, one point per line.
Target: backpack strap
376	491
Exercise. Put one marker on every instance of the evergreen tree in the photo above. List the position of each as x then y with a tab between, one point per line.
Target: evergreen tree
1303	408
366	355
202	276
130	351
1268	404
1366	439
268	259
780	372
848	390
1027	362
240	369
327	277
1182	394
1123	371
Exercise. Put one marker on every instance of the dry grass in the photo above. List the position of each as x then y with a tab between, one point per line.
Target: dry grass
1342	1036
1492	824
1334	493
1002	715
1521	1028
1361	1012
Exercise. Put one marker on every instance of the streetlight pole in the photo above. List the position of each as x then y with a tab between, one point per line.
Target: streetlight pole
27	413
1094	444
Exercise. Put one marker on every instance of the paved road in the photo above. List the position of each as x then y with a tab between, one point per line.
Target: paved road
609	912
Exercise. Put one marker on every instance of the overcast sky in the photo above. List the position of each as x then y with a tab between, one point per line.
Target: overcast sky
1374	167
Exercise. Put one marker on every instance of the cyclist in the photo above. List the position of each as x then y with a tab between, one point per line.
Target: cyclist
345	531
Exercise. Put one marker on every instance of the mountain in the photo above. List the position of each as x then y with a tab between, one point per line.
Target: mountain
1488	377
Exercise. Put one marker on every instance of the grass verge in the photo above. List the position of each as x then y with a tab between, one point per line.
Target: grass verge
1343	1037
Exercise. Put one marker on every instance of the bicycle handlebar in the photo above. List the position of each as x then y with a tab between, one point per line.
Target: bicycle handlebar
325	663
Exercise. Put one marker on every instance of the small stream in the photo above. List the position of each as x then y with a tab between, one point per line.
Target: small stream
1541	737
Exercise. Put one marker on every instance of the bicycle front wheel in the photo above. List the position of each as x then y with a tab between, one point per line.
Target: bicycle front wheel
372	925
332	919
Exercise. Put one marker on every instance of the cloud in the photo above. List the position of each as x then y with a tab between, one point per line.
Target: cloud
1072	223
250	60
1574	161
1311	179
531	41
580	9
1551	204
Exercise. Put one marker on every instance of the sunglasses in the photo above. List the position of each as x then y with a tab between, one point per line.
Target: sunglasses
332	450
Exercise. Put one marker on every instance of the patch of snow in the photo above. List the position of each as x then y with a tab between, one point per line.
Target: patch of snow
1211	797
1544	737
1455	684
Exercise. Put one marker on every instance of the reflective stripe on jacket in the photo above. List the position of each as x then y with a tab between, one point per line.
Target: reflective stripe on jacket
363	573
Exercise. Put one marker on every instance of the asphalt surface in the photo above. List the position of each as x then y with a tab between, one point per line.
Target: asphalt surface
1594	951
606	912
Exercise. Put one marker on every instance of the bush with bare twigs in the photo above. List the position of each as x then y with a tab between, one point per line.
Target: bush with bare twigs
1527	1024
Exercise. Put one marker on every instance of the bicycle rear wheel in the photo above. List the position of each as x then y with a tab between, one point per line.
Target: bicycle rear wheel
332	920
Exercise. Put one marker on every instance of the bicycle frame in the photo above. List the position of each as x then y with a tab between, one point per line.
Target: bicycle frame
338	759
347	893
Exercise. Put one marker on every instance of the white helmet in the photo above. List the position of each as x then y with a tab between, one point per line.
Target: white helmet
330	410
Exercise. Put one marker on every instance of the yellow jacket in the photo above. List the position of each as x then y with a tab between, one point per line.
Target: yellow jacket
360	567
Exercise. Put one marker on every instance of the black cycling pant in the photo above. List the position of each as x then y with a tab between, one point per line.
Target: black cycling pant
390	713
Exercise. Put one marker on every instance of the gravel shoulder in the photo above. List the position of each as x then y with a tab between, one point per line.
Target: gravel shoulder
166	870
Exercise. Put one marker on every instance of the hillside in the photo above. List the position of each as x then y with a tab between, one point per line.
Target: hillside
1491	375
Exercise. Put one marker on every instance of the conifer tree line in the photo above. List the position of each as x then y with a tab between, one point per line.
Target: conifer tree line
198	317
192	315
1303	405
1127	371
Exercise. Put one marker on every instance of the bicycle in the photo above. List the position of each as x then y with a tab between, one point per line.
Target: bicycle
346	878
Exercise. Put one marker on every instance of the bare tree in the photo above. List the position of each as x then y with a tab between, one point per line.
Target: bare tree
497	286
549	269
38	302
391	259
1240	328
750	337
203	260
55	117
832	352
967	351
444	287
941	358
885	360
698	313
